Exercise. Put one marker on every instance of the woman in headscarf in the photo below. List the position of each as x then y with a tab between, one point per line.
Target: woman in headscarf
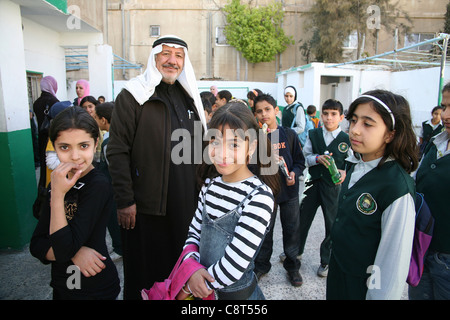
294	109
83	90
214	90
49	87
48	98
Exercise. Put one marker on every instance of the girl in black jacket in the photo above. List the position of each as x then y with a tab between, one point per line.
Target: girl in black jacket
72	228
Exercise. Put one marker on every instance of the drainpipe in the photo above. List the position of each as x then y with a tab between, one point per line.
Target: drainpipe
443	61
122	8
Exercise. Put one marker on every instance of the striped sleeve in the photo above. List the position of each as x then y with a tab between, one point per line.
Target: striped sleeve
248	235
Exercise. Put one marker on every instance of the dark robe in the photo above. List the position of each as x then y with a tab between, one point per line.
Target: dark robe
39	106
157	241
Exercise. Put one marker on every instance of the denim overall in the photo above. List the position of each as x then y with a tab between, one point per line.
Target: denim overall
216	235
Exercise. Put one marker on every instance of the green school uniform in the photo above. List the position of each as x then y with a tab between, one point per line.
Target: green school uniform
338	147
356	232
429	131
432	180
288	114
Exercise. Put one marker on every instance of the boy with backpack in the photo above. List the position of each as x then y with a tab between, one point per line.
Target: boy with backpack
311	111
286	145
294	115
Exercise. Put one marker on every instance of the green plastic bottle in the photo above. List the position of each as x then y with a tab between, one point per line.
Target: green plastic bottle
335	174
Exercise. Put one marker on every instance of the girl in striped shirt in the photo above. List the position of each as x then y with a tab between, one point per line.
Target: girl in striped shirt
234	206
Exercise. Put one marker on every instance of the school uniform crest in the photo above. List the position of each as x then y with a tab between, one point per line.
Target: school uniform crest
343	147
366	204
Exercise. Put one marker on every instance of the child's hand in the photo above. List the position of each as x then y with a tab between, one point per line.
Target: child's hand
323	159
343	175
60	177
89	261
291	180
197	285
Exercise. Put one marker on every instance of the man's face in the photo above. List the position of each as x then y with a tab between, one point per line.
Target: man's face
170	63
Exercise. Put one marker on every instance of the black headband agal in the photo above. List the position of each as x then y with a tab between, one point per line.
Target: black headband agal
170	40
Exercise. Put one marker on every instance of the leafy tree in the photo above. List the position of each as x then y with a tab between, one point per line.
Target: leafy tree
328	21
447	20
332	21
256	32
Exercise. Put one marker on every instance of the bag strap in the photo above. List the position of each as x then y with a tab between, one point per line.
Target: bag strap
248	197
299	104
295	107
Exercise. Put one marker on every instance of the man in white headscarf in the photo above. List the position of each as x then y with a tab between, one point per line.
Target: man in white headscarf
156	196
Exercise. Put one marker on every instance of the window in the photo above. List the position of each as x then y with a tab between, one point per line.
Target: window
221	39
351	42
34	88
154	31
415	38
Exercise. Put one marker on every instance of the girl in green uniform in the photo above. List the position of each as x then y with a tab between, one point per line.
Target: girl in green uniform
432	180
430	128
373	231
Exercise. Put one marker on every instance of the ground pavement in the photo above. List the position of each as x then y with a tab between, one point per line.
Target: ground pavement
23	277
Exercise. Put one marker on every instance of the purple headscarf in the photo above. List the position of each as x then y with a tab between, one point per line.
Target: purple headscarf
49	84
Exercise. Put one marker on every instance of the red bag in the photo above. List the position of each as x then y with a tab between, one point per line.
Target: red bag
169	288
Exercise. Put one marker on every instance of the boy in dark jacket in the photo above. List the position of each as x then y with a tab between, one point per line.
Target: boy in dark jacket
286	144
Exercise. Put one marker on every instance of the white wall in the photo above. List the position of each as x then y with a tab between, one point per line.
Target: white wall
420	87
100	73
238	89
44	54
14	113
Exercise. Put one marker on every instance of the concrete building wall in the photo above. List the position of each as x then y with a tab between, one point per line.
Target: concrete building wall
92	12
196	22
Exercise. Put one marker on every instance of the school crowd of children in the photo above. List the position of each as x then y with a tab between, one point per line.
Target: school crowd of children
369	211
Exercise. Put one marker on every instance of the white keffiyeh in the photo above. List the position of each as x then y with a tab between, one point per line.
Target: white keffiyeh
143	86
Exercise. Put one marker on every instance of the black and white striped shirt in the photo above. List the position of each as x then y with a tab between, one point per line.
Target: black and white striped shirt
221	198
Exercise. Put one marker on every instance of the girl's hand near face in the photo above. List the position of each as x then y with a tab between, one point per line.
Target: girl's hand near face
64	177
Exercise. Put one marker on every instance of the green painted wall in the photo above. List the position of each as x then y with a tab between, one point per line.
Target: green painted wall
60	4
17	189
